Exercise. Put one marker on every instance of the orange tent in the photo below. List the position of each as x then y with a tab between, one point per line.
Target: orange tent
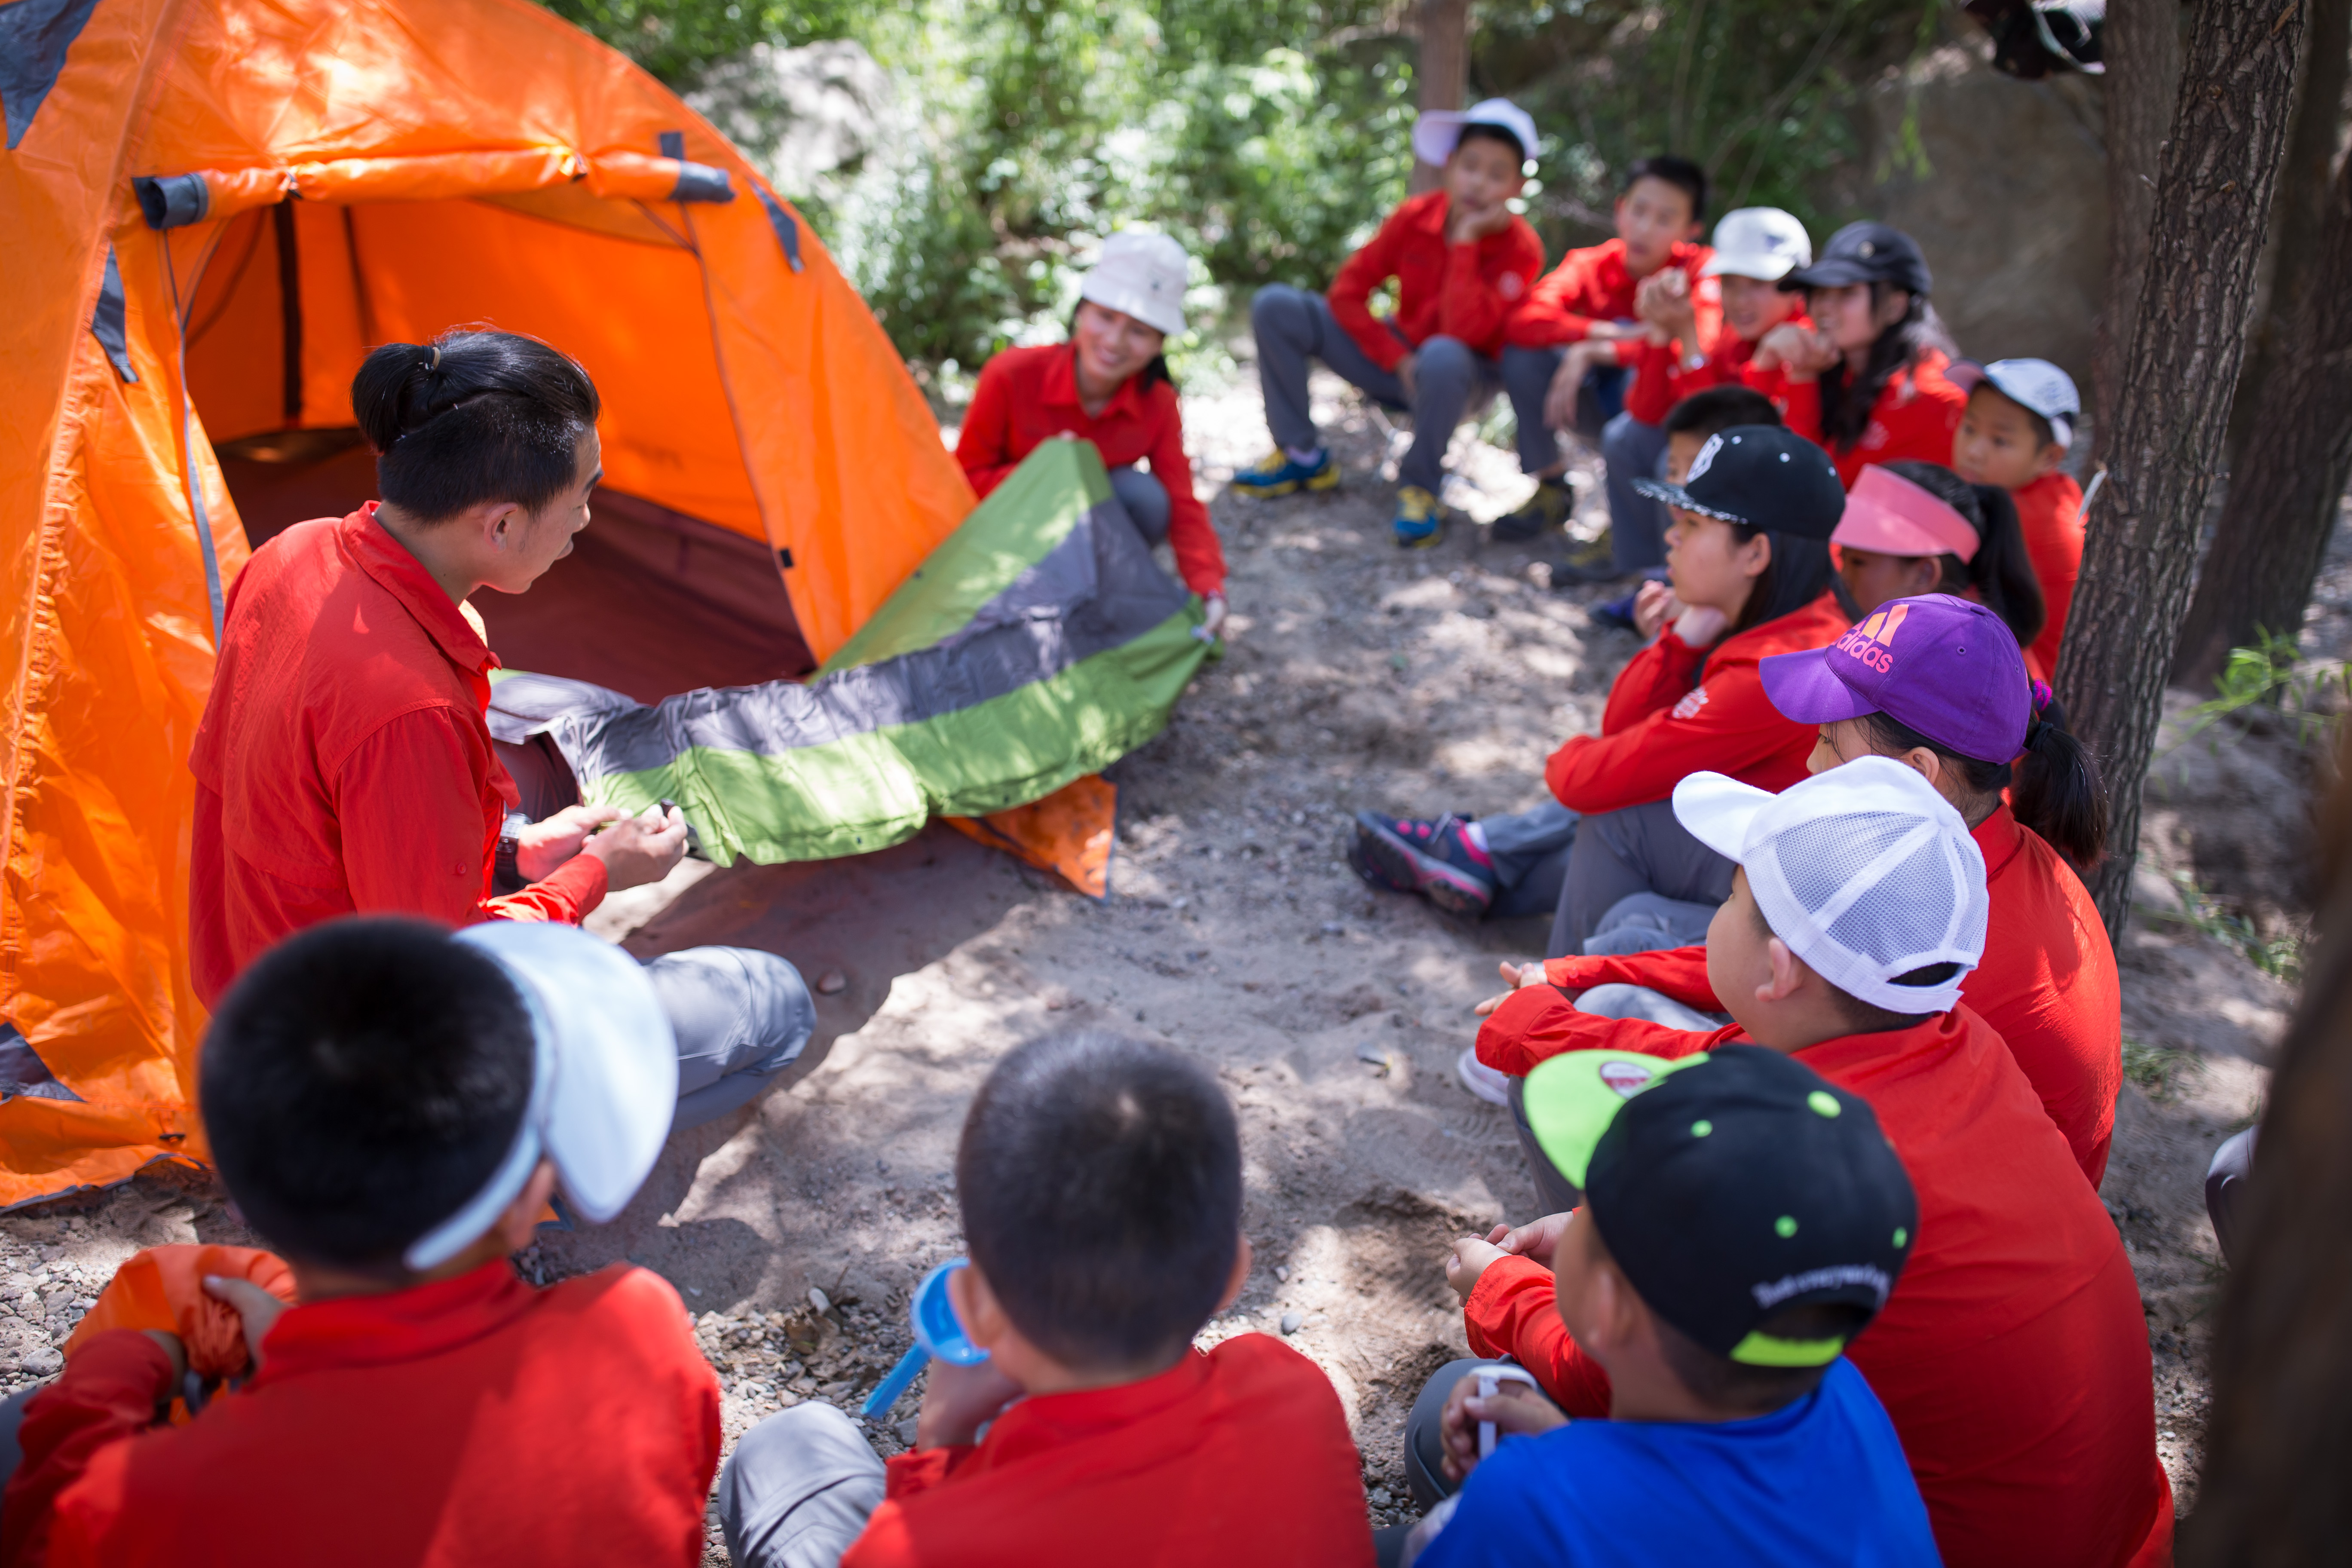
213	207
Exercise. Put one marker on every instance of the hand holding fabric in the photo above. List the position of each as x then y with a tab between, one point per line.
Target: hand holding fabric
199	1296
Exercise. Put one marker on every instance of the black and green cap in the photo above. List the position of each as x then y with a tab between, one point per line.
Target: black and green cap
1729	1185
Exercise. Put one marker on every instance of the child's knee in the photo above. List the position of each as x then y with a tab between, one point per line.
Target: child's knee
1445	359
1277	308
1623	441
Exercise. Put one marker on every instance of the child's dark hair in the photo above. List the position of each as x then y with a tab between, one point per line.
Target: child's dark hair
1722	1384
1680	172
473	416
2058	791
2002	572
2044	433
1101	1185
1861	1017
1478	130
1715	409
1150	376
1800	572
1846	407
360	1083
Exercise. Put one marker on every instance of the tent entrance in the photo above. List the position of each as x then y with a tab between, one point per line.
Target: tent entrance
650	601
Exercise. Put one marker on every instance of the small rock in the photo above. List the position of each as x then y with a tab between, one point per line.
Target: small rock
819	1299
1290	1321
1282	1272
1333	928
906	1430
42	1361
832	982
1381	1498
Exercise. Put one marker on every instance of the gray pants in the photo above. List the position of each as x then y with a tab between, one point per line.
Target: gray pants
798	1489
1293	326
1424	1436
1146	501
1641	849
2225	1186
1527	377
1529	851
1637	525
740	1016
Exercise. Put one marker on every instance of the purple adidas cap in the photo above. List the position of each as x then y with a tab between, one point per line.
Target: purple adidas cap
1942	666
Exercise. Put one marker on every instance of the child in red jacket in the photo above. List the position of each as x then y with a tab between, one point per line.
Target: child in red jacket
2014	432
1462	261
392	1106
1570	341
1100	1180
2012	1355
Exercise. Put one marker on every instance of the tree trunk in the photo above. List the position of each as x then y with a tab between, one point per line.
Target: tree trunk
2142	48
1443	71
2171	414
2285	491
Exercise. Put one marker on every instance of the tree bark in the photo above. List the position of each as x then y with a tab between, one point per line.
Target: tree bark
1445	69
2290	478
2142	48
2173	407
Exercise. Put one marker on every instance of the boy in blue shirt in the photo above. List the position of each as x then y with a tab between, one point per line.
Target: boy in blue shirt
1743	1221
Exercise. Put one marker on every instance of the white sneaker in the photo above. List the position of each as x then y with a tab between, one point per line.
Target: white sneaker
1488	1084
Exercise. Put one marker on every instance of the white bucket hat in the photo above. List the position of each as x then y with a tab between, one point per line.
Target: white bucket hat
1864	871
1141	274
1763	243
1439	131
604	1082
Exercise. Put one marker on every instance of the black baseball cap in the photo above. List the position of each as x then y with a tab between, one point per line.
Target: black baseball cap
1762	475
1865	253
1728	1186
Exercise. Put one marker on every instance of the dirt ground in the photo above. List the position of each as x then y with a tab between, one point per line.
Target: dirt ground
1359	676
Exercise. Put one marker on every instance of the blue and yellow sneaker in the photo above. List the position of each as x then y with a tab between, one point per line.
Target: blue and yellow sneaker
1420	520
1278	473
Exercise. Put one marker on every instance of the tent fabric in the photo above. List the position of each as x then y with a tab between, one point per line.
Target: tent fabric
371	171
1037	644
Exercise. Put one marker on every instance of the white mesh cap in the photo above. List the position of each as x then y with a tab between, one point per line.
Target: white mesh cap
1864	871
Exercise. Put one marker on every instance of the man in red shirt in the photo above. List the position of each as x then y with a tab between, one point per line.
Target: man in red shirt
344	763
1100	1181
392	1106
1461	261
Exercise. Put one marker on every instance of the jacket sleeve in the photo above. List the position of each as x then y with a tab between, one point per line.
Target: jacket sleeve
1351	292
408	803
985	445
1677	974
1557	311
1475	307
1511	1313
1537	1023
1659	380
1200	558
1800	404
108	1395
1725	724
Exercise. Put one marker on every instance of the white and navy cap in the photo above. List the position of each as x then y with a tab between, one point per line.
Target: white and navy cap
1759	242
604	1082
2033	384
1864	871
1141	275
1439	131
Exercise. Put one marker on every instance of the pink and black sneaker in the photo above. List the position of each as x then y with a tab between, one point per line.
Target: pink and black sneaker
1435	859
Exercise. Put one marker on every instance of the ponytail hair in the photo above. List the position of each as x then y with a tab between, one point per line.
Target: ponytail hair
473	416
2001	574
2056	789
1845	407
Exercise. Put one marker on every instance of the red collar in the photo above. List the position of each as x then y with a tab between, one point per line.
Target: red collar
1431	217
397	1326
1053	1420
1061	386
385	558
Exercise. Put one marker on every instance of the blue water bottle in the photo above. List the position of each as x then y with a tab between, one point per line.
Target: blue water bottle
937	1334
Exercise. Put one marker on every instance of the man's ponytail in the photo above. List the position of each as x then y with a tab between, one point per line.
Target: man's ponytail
2059	793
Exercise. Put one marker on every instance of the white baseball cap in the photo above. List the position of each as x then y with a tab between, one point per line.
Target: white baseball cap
1439	131
1864	871
604	1082
1763	243
2033	384
1142	275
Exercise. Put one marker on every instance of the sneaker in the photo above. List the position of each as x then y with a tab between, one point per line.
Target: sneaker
1615	612
1550	507
1420	520
1278	473
1490	1084
1406	855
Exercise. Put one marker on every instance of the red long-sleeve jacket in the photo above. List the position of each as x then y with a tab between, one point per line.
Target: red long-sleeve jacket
2049	514
1916	416
1464	291
1664	723
2012	1356
1595	285
1237	1455
1661	379
471	1421
345	761
1028	396
2047	984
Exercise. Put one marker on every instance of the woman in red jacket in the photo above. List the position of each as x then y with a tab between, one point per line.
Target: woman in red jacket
1108	384
1867	380
1914	527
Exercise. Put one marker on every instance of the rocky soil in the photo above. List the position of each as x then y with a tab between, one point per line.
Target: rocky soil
1358	676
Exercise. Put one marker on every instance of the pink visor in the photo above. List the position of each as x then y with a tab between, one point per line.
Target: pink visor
1887	512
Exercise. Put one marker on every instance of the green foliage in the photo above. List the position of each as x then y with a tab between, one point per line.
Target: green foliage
2270	677
674	38
2279	955
2158	1069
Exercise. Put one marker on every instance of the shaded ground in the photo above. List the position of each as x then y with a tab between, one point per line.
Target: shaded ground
1359	676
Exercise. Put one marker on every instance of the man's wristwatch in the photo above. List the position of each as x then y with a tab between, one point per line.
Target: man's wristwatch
506	874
